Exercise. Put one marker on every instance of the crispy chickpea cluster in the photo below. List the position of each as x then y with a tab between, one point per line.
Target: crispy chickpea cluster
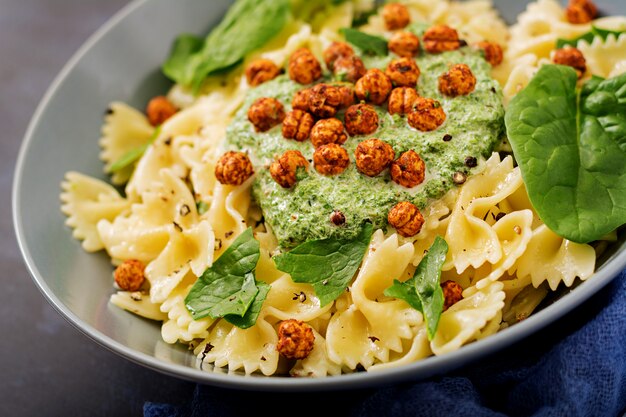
303	67
324	100
326	131
349	68
373	156
265	113
233	168
426	115
295	339
458	81
284	170
260	71
297	125
440	38
493	52
335	51
331	159
396	16
159	109
373	87
401	100
403	72
406	218
408	170
581	11
405	44
361	119
129	275
452	293
571	57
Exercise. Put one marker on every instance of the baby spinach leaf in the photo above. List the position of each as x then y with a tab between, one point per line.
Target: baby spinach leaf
327	264
369	44
133	155
570	145
227	286
251	315
588	37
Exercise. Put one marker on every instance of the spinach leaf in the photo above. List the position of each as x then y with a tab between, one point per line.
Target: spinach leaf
369	44
251	315
423	291
570	145
133	155
227	286
248	25
327	264
588	37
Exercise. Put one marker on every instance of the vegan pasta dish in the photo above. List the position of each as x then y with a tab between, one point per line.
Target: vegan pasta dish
331	187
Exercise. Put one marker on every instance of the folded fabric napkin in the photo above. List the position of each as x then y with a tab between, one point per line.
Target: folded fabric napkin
574	367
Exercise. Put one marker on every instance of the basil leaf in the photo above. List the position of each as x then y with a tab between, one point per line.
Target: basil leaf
202	207
133	155
589	36
369	44
571	148
327	264
227	286
405	291
251	315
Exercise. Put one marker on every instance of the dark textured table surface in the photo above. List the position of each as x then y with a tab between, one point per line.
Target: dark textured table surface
47	367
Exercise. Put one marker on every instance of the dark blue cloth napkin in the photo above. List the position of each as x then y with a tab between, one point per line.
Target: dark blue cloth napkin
574	367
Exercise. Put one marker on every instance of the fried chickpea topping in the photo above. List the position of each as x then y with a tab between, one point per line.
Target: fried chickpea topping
493	52
260	71
284	169
404	44
297	125
337	218
403	72
349	68
440	38
129	275
295	339
572	57
159	109
326	131
458	81
300	99
406	218
395	16
331	159
335	51
374	86
401	100
373	156
324	100
233	168
265	113
347	94
452	293
426	115
581	11
303	67
361	119
408	170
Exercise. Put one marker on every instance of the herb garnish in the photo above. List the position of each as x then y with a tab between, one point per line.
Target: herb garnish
133	155
589	36
369	44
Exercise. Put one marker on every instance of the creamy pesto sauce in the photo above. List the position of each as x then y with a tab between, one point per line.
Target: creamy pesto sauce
302	213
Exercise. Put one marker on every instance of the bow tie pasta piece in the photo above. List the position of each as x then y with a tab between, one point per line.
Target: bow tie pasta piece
179	326
290	300
317	364
137	303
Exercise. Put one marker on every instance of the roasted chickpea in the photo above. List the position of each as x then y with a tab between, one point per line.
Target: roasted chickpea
297	125
300	99
331	159
401	100
405	44
406	218
335	51
303	67
284	170
458	81
440	38
129	275
374	86
328	131
260	71
159	109
265	113
571	57
361	119
349	68
233	168
347	94
581	11
452	293
493	52
403	72
395	16
408	170
295	339
426	115
324	100
373	156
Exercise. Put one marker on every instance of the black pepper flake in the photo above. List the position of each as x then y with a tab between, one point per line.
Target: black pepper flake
263	358
299	296
228	234
184	210
108	111
493	90
471	161
462	43
177	227
168	141
207	348
373	338
459	177
337	218
447	137
500	215
218	244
